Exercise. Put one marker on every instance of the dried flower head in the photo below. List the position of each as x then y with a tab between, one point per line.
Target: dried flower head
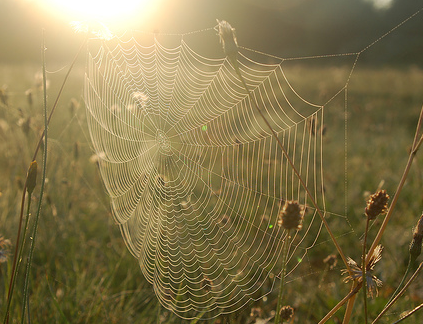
377	204
255	313
416	243
141	99
4	95
291	215
331	261
4	249
95	28
228	41
29	98
73	106
206	284
286	313
76	151
227	38
356	272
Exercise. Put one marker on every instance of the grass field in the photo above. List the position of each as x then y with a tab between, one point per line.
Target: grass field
82	271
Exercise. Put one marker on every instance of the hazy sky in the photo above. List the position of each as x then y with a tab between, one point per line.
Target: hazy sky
281	27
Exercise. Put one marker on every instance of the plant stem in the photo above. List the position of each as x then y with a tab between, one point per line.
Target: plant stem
19	258
364	268
416	144
409	266
37	216
350	305
351	294
282	284
399	293
17	244
409	314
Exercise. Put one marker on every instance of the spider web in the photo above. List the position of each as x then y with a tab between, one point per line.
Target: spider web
195	178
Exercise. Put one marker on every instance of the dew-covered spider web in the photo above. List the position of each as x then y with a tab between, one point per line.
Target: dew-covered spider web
195	177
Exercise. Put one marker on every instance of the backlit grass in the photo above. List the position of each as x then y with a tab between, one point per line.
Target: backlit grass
82	271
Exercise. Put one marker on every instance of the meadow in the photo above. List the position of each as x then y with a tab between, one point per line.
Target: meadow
82	271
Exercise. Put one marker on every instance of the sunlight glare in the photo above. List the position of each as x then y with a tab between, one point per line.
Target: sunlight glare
102	10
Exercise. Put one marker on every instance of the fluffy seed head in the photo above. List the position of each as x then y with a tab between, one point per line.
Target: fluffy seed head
377	204
291	215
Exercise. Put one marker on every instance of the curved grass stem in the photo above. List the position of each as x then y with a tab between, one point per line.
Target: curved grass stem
399	294
409	314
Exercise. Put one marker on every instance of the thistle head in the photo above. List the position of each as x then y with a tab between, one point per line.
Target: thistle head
291	215
356	273
377	204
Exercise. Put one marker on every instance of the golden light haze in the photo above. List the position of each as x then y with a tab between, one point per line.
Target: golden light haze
118	13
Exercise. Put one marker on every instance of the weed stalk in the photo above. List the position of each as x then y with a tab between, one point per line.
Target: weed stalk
37	216
347	298
282	283
364	268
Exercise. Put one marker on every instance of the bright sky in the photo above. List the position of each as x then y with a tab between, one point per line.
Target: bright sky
381	4
110	11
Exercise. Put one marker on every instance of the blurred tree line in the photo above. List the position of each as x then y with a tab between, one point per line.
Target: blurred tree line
286	28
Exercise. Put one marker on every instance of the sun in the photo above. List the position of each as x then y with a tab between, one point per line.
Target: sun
109	11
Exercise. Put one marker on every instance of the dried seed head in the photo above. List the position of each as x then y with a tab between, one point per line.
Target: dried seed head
227	38
291	215
377	204
356	272
286	313
95	28
331	261
228	41
416	243
76	151
31	178
256	312
4	249
206	284
4	95
73	106
29	98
